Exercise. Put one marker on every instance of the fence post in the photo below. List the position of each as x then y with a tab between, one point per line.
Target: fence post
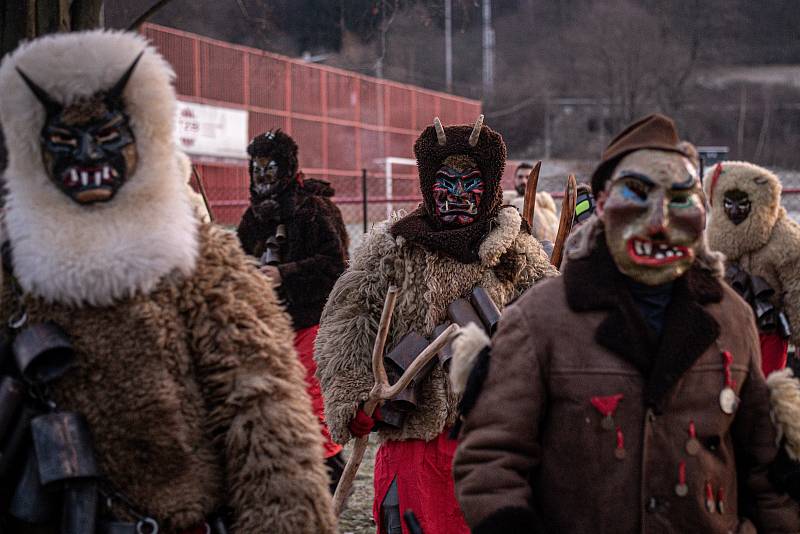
364	196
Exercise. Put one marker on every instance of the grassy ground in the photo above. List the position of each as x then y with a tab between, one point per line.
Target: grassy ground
357	517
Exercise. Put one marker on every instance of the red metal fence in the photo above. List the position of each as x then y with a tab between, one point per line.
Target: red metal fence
342	121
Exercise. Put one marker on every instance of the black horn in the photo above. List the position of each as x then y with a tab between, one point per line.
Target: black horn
50	105
115	93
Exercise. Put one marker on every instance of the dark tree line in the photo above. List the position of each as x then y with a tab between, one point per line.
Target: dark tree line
568	73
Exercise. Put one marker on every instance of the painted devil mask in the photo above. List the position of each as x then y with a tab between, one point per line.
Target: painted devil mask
88	146
654	215
267	179
273	165
457	191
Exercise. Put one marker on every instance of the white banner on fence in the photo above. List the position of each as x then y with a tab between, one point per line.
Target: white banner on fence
203	130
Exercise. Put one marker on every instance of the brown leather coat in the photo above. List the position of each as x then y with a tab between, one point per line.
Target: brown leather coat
535	456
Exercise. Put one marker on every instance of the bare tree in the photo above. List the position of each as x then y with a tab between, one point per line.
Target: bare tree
634	57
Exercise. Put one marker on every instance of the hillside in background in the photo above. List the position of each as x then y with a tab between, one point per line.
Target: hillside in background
567	73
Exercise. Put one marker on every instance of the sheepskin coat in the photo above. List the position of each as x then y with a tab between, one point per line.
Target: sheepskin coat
184	368
535	456
767	243
195	398
545	216
315	252
510	262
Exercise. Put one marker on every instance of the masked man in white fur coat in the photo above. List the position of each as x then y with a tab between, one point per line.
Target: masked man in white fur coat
184	372
459	238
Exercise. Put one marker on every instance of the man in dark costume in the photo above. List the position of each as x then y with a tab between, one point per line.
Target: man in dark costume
627	394
298	235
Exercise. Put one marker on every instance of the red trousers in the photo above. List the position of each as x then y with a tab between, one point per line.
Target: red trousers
304	345
423	470
774	350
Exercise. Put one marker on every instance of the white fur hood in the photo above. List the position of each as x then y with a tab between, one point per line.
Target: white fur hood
65	252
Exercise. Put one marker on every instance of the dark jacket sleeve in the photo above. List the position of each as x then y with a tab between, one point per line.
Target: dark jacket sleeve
755	437
310	279
500	447
248	231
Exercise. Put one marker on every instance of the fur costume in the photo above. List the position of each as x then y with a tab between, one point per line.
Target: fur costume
545	216
311	260
184	364
510	262
316	249
427	262
767	243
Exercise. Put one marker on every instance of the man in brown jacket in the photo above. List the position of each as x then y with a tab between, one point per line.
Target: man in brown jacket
627	395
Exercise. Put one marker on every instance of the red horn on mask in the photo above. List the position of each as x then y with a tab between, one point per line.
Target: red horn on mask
714	178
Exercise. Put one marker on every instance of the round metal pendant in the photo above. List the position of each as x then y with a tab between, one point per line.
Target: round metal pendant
607	423
619	454
728	400
681	490
693	447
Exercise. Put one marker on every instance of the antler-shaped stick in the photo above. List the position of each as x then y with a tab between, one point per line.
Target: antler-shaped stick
565	224
529	204
382	391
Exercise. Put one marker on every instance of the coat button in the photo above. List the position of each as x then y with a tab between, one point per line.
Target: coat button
652	505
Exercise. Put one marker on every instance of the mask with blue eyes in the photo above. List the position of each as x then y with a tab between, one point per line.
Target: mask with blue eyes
457	195
653	215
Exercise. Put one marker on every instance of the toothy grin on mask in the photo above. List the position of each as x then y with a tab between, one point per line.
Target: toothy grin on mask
647	252
89	183
454	208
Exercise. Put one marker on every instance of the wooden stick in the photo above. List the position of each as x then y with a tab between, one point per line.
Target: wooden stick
203	193
529	204
379	372
378	369
565	224
381	391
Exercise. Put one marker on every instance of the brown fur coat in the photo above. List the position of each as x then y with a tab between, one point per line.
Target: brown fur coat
196	399
510	262
767	243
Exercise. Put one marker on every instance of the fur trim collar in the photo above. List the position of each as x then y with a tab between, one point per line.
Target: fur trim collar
469	343
484	241
64	252
784	393
593	283
763	188
501	237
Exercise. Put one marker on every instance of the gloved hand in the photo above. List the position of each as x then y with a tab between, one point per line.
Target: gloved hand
362	424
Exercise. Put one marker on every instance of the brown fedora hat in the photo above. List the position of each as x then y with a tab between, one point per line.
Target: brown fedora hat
655	132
